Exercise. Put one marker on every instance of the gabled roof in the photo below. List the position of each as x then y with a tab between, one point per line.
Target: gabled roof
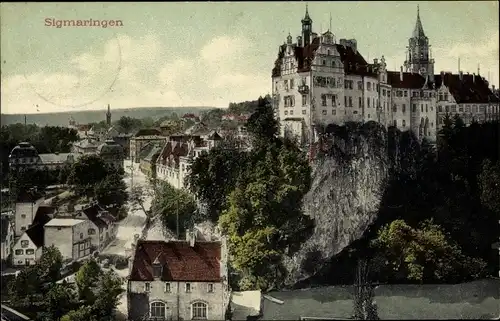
180	261
471	89
147	132
171	152
410	80
36	234
93	213
353	61
44	214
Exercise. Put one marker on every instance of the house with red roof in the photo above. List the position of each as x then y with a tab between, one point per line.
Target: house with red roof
178	280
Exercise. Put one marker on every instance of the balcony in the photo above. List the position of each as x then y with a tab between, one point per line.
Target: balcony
304	89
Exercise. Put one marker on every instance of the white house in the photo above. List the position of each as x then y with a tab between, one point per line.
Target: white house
178	280
26	208
102	228
6	237
28	248
70	236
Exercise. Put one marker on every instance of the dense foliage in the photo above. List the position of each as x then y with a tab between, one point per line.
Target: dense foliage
439	212
37	292
90	177
256	197
174	207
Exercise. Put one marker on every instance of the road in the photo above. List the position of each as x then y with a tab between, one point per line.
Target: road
136	218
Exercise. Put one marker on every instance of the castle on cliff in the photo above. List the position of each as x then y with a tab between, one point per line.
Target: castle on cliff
318	80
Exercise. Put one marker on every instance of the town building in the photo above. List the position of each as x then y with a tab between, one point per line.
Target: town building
28	248
172	163
26	208
103	227
25	155
111	153
178	280
148	156
6	237
70	236
141	138
318	81
86	146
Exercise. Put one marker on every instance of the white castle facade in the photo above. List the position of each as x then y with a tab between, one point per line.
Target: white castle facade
319	81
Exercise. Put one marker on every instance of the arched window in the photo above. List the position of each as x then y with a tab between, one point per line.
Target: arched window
199	311
157	310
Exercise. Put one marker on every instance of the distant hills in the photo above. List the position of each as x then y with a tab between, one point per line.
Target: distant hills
94	116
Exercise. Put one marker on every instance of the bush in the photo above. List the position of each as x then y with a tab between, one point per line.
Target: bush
121	263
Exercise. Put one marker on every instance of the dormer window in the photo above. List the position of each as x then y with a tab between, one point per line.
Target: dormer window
157	269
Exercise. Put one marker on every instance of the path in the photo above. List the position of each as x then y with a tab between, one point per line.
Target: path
136	218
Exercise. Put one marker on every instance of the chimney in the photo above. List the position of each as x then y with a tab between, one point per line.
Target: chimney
375	61
401	74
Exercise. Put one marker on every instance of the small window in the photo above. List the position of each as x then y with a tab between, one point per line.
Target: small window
167	287
24	243
324	112
30	252
147	286
210	288
23	215
23	228
59	228
404	123
324	62
81	236
157	269
19	252
188	287
304	112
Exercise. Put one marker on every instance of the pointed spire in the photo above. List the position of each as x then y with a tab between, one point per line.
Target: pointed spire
307	18
418	32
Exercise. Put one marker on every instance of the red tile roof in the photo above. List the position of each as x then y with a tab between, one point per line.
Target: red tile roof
180	261
410	80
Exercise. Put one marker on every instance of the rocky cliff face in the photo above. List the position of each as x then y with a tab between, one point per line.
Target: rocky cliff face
349	173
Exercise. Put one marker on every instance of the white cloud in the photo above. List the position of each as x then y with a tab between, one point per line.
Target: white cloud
132	72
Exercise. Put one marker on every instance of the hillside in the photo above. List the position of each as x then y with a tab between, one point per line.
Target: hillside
91	116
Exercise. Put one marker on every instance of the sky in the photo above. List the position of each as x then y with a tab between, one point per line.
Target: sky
211	54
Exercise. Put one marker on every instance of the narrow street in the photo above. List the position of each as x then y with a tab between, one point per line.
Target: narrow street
134	222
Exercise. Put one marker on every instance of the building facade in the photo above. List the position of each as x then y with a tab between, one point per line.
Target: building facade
111	153
318	81
178	280
70	236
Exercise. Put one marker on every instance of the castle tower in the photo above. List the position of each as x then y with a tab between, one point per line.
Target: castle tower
419	60
306	28
108	116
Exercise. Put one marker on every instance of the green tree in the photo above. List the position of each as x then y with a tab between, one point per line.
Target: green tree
109	290
111	191
59	300
84	313
212	176
126	124
50	264
262	125
489	181
173	206
87	279
425	253
264	216
85	173
27	286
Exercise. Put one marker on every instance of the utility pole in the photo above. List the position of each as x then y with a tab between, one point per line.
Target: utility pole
177	217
